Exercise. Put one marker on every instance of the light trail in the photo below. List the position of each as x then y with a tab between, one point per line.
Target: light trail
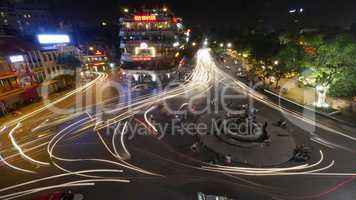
36	190
55	140
148	121
59	176
3	129
87	182
31	114
18	148
14	167
127	153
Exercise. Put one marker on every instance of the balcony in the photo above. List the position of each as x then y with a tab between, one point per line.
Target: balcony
7	74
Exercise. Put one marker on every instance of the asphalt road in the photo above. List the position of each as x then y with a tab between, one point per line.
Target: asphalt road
155	169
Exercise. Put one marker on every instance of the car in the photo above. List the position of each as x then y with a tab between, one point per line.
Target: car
139	87
202	196
228	67
241	74
61	196
175	84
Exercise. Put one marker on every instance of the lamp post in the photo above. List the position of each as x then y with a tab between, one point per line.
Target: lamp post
321	91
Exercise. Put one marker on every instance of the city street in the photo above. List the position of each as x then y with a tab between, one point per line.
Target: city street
114	152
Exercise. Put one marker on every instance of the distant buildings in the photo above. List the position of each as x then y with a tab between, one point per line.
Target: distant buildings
95	60
150	41
24	18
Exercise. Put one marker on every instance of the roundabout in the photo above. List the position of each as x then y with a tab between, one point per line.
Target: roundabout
247	140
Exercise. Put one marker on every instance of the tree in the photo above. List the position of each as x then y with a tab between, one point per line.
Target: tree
70	62
264	47
329	58
289	60
344	85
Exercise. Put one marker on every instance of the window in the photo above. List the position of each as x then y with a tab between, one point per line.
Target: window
44	57
49	56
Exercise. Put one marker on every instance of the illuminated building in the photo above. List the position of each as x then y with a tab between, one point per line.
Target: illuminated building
25	67
95	60
17	81
150	39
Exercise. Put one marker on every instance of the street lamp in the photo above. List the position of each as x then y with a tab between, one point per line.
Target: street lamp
221	45
194	44
321	91
165	9
229	45
126	10
91	48
206	42
276	62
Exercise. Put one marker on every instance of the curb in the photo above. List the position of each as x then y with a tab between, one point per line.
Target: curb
310	109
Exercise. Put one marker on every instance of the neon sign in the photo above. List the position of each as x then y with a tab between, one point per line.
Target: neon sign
53	38
141	58
17	58
145	18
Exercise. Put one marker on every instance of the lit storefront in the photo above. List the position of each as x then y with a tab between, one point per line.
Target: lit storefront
95	61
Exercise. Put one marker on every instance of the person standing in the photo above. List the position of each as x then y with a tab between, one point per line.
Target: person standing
3	108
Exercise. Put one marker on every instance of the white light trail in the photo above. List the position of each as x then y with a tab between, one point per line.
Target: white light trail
18	148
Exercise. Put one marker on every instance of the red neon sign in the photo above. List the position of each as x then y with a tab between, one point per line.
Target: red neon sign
141	58
98	53
145	18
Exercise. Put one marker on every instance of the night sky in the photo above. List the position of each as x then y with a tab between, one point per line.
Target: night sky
221	13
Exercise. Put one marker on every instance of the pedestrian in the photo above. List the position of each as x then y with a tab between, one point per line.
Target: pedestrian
3	108
265	135
194	147
265	126
228	159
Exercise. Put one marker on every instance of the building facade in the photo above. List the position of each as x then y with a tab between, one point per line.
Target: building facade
150	41
95	60
17	81
26	68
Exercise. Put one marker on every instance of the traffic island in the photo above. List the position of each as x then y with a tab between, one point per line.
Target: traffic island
245	139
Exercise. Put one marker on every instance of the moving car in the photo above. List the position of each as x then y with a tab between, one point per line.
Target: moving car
228	67
61	196
202	196
175	84
241	74
140	87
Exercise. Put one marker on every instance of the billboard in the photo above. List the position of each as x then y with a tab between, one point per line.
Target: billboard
53	38
17	58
